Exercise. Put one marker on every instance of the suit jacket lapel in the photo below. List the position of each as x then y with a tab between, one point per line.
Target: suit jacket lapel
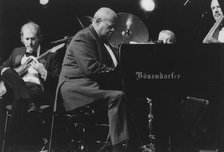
18	56
104	55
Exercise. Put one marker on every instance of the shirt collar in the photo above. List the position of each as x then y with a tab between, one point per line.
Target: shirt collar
37	51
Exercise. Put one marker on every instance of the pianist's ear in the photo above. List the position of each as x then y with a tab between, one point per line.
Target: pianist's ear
98	20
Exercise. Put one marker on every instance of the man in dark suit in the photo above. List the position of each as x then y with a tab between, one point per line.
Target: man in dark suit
27	78
87	57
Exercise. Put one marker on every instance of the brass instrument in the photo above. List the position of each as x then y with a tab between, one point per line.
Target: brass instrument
212	36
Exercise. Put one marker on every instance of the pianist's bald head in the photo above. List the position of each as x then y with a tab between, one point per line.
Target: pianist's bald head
104	13
104	21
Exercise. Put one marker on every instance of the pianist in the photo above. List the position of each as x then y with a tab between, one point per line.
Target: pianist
88	56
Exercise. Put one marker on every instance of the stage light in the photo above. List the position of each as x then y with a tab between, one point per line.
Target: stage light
147	5
44	2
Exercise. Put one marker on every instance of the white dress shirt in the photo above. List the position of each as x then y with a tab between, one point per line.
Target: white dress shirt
32	74
111	54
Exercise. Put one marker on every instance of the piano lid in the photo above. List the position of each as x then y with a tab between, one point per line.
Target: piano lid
171	69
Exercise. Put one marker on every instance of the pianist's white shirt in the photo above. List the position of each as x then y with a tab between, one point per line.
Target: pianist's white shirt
111	54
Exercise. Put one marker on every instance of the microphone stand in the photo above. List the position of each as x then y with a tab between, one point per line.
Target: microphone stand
150	120
125	34
151	146
65	39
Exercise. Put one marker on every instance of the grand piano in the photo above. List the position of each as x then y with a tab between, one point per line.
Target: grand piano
151	69
181	80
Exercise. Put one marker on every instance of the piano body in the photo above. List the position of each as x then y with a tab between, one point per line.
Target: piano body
169	74
148	69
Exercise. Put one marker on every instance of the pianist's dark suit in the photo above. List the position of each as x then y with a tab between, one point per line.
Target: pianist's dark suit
85	57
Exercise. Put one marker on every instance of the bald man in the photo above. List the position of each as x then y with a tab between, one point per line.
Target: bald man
88	56
167	37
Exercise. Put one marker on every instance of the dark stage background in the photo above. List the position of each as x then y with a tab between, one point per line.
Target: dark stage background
58	18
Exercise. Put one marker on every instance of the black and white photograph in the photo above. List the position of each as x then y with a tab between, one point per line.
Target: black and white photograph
111	76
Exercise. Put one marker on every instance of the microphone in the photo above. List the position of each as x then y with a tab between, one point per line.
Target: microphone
66	38
199	100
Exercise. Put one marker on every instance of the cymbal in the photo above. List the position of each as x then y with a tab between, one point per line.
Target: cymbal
129	28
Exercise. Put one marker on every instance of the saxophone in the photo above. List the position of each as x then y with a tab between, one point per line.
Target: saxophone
212	36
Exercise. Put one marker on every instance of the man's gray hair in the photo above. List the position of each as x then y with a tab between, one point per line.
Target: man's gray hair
32	26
